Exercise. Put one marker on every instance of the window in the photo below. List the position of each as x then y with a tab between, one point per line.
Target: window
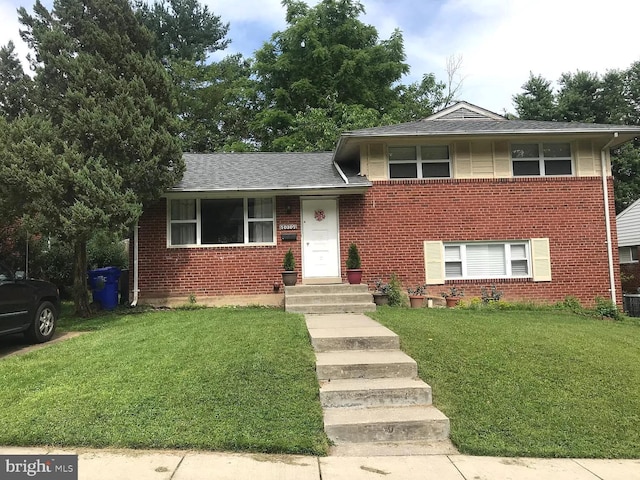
544	159
221	221
183	222
487	260
427	161
628	254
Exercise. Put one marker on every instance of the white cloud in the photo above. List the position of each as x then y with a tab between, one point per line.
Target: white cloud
262	11
501	41
11	30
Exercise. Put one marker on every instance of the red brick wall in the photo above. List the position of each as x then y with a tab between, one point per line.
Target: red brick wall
392	220
390	224
211	271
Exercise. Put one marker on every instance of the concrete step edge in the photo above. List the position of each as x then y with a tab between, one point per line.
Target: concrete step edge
344	385
386	414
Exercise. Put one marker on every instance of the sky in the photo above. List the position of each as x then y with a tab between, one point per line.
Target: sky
499	41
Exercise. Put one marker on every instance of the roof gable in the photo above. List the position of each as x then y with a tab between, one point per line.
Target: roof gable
462	111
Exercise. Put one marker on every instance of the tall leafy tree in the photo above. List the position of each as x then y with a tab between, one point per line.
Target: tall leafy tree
589	97
214	98
420	99
325	57
102	139
217	103
15	85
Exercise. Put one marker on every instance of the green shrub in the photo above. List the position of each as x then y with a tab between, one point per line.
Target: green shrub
289	262
395	291
105	249
353	258
606	308
571	303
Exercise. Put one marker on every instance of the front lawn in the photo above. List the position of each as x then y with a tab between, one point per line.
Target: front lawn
528	383
220	379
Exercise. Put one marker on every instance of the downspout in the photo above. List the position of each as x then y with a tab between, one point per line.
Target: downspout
607	216
26	259
135	265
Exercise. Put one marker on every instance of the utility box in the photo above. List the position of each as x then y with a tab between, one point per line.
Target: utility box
631	304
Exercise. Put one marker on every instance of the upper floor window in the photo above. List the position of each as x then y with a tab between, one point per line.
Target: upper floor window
426	161
541	159
221	221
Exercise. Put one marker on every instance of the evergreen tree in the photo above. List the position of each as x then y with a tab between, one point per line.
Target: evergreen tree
15	85
589	97
102	141
183	29
538	100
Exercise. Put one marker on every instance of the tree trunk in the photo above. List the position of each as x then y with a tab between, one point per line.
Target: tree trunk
80	297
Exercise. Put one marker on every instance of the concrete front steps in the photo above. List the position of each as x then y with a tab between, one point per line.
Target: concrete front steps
331	298
371	397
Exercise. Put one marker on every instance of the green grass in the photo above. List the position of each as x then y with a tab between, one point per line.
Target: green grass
528	383
219	379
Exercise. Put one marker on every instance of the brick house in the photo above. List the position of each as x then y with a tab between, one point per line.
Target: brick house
628	222
465	197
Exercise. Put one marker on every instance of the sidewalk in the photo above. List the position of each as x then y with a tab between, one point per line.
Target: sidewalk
191	465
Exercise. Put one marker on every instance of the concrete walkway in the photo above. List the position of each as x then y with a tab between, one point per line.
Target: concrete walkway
187	465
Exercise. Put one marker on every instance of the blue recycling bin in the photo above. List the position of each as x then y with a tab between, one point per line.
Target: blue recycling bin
104	286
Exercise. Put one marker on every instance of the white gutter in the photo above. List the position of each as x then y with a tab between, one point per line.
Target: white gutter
607	216
344	177
135	265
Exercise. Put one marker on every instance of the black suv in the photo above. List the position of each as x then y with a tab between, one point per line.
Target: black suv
29	306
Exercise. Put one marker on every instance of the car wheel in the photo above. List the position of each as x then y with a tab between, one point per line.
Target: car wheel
44	324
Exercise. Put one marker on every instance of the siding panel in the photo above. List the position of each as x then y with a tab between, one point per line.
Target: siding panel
462	160
482	159
377	168
629	226
502	159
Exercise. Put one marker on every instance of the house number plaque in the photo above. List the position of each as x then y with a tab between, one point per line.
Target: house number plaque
288	226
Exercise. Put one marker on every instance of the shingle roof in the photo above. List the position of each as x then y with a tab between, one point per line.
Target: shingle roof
465	119
214	172
469	126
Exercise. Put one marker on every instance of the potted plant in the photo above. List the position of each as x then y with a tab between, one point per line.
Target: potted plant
381	295
289	276
452	297
416	295
354	272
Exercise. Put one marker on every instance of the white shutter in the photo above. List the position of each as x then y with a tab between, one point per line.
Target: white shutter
541	259
434	262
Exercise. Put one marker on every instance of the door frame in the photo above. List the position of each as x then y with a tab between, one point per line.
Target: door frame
306	279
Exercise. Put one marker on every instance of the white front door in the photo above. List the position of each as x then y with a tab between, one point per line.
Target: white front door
320	252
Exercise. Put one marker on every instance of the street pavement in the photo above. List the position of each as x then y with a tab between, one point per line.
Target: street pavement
195	465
